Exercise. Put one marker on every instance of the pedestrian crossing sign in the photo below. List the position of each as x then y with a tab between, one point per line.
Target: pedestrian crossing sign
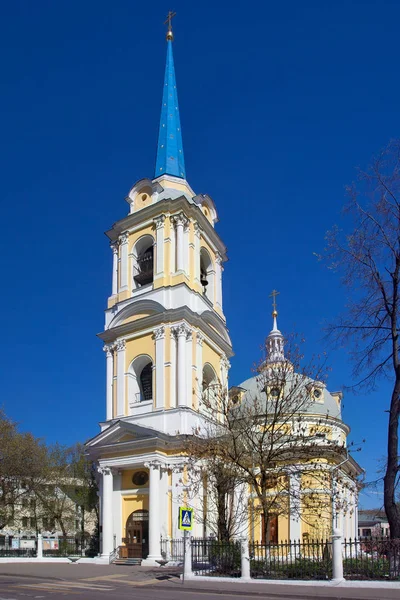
185	518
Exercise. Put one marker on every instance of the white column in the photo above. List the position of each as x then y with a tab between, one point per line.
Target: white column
241	510
117	517
181	333
172	266
121	378
181	222
164	501
295	506
186	247
218	281
159	223
39	553
173	367
154	515
114	248
189	367
197	236
109	381
199	365
225	366
337	556
106	511
159	336
245	559
124	262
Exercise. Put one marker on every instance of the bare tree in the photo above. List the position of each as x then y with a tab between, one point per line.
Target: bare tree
21	458
368	259
266	435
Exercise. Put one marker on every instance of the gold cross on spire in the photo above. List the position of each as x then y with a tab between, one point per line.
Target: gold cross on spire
273	295
170	16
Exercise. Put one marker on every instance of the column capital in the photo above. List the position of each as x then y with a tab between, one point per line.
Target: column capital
159	221
152	464
104	470
123	238
218	258
180	219
159	333
120	345
114	246
199	338
225	362
197	229
108	349
181	330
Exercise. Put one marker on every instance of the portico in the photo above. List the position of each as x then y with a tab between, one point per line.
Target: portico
140	492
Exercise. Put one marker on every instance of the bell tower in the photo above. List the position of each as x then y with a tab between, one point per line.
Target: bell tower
165	336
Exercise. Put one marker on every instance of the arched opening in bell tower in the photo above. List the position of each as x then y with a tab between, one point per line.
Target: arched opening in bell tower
140	380
210	386
207	274
143	261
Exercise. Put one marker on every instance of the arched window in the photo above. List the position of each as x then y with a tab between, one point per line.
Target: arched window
210	386
146	382
140	380
207	274
143	261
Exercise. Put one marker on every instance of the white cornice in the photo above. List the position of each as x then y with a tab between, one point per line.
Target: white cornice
133	220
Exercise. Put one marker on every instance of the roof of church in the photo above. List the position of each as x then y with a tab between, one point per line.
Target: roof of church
326	405
170	159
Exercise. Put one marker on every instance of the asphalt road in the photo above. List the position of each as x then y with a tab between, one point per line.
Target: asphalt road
75	582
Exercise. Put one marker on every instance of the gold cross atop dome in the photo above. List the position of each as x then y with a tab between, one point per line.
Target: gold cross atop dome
171	15
273	295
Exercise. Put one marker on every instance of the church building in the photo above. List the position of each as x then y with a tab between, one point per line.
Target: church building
165	342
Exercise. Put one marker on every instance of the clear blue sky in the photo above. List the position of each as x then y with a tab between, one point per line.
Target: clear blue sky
279	103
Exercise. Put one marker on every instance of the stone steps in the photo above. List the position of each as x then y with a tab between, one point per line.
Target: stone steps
127	561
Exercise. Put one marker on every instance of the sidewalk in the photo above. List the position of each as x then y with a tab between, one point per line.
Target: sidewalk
302	590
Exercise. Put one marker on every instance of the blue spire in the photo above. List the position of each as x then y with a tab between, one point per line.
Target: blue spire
170	158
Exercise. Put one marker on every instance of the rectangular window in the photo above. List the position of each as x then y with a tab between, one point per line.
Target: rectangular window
32	503
32	521
25	502
24	521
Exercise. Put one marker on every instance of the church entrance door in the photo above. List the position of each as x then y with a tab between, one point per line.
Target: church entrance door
137	535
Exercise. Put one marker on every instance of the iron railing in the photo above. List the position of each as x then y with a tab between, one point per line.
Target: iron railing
17	552
214	558
173	549
311	559
371	558
66	546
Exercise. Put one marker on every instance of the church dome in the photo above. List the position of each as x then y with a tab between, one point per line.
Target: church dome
317	399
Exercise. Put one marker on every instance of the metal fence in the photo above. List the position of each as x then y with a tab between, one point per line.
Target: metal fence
214	558
371	558
66	546
291	560
9	552
173	549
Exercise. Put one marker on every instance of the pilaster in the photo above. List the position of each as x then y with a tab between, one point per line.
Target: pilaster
123	240
108	349
114	248
159	246
159	336
121	344
295	506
